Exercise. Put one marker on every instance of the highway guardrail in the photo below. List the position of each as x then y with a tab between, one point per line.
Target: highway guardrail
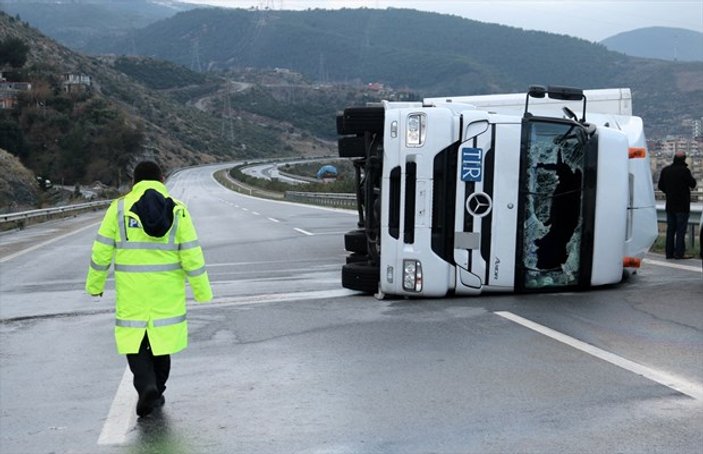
21	218
694	219
333	199
223	177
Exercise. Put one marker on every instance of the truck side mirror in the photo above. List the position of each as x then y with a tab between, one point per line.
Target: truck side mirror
535	91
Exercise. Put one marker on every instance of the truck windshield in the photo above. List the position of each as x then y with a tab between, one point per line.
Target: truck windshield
551	191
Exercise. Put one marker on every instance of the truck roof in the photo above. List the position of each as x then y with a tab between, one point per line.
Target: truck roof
614	101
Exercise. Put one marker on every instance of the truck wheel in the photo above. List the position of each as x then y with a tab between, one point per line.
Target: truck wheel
355	241
351	147
357	120
360	277
357	258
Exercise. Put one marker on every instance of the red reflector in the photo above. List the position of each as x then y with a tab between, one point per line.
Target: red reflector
637	152
631	262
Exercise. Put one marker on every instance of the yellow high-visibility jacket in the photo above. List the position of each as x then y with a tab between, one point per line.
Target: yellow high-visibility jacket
150	268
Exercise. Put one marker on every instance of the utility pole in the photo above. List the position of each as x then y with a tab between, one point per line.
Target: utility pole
323	74
195	55
227	122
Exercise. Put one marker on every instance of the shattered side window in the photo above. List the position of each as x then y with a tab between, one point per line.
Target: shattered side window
553	219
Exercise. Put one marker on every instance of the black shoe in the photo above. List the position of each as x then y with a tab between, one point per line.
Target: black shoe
147	401
160	401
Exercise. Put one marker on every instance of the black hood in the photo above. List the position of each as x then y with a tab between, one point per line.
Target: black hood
680	161
155	212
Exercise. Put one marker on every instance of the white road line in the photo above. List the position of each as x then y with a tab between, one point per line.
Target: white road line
696	269
304	232
41	245
273	220
330	233
245	209
689	388
349	211
262	262
255	213
122	416
272	298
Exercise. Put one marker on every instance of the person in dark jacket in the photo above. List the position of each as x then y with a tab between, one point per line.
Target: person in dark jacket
676	182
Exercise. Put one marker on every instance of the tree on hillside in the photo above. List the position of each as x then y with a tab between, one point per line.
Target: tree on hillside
12	137
13	53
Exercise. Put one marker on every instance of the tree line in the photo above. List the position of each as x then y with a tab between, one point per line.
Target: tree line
66	137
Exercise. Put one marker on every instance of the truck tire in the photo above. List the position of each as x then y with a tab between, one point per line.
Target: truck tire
355	241
358	120
360	277
357	258
351	147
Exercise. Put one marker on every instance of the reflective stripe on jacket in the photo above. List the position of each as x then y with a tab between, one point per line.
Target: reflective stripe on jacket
150	273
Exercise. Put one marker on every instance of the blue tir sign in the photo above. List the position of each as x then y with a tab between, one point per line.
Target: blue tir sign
471	160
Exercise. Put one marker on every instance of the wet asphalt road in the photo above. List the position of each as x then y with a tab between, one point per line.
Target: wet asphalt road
284	360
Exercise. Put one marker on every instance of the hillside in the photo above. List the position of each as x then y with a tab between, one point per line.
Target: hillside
277	78
673	44
78	23
431	54
99	132
18	187
404	48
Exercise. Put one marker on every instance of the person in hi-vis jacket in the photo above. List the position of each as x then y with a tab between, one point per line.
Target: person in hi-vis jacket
155	248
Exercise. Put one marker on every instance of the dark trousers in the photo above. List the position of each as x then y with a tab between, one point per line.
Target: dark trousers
676	225
149	371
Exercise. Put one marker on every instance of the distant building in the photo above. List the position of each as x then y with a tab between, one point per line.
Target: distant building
9	92
697	128
375	86
76	83
670	145
662	151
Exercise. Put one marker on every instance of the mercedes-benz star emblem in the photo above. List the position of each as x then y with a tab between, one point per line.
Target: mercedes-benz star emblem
479	204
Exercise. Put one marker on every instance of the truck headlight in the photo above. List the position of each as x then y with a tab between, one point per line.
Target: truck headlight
412	275
415	126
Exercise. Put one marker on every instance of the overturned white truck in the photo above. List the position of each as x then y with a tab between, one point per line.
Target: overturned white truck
545	190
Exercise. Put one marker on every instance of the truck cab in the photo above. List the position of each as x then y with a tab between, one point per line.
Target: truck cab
497	193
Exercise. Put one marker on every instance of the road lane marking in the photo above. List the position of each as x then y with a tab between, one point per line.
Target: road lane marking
273	298
330	233
273	220
122	416
255	213
41	245
217	275
689	388
304	232
349	211
266	262
696	269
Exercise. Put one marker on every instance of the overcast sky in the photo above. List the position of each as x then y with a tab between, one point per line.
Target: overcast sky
593	20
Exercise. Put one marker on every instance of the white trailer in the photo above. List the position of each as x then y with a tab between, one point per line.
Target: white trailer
545	190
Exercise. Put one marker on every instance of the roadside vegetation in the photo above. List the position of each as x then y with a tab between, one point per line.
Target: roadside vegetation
344	183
